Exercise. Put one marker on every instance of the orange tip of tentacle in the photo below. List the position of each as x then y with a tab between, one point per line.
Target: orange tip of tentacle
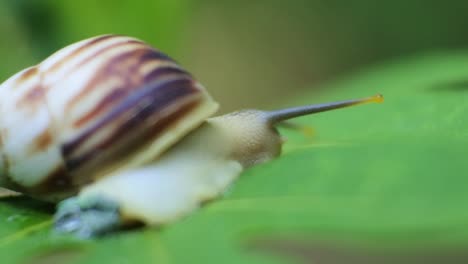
378	98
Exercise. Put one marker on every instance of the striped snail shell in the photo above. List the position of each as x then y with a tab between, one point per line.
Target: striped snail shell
125	134
95	105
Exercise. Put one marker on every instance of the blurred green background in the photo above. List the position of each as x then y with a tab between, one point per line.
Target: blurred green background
390	175
248	53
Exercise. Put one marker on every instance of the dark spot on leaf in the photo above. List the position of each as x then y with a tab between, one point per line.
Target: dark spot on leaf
453	86
320	252
65	254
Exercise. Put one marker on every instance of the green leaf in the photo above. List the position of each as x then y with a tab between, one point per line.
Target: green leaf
390	176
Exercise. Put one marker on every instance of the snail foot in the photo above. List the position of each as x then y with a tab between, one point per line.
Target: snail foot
87	217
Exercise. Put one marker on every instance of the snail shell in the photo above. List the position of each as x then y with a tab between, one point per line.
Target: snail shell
95	106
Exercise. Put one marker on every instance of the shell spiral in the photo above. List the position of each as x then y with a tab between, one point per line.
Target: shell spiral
96	106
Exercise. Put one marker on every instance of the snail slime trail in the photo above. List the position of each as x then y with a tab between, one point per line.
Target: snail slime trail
117	132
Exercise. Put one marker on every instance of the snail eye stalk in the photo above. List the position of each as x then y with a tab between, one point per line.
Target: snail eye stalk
275	116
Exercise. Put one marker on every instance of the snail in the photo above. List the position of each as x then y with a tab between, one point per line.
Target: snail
116	132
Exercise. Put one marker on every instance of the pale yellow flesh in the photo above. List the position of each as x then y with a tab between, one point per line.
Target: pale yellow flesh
197	169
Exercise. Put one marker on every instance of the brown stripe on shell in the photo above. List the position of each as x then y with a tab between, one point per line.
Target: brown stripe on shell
108	71
32	98
95	55
117	94
117	153
163	71
77	51
107	48
124	66
22	77
41	142
27	74
106	102
92	56
137	108
156	55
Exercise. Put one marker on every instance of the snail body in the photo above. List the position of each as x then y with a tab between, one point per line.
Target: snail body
124	134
